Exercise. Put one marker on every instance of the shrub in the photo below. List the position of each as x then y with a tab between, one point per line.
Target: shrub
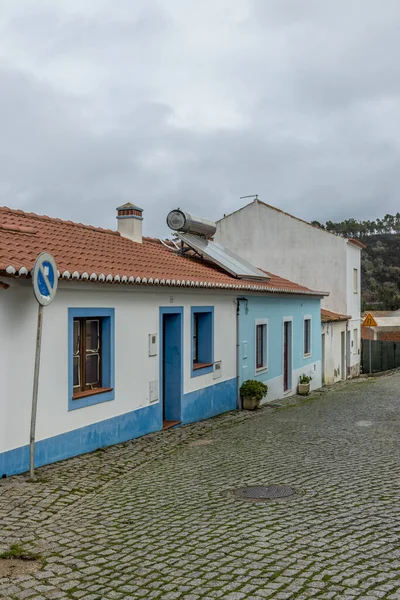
305	378
253	389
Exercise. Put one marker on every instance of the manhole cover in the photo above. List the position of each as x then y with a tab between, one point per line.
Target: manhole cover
265	492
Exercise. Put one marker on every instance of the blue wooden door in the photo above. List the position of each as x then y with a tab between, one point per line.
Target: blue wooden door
172	367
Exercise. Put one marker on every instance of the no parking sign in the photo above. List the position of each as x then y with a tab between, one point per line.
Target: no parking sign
45	278
44	281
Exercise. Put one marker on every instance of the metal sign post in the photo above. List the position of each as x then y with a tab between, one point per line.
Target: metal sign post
44	281
369	322
370	350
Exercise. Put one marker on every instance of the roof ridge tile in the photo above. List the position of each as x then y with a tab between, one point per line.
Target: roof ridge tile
32	215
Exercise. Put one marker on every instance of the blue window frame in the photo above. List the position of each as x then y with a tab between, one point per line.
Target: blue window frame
101	320
202	340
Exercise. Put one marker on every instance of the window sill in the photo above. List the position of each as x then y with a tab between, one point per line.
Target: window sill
308	355
94	392
261	370
197	366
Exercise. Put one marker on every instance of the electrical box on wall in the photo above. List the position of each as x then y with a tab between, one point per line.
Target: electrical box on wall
217	370
152	344
153	391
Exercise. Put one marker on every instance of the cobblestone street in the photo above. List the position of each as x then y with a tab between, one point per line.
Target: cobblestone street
155	518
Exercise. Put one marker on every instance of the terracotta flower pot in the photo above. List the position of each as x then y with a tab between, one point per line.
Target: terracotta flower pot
304	389
251	403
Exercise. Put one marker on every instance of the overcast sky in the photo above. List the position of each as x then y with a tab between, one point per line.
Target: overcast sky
194	103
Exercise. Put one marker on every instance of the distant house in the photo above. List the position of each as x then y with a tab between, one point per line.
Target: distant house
142	335
313	257
387	327
334	331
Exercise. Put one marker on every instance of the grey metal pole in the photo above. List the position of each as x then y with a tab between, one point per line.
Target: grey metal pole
35	393
239	399
370	356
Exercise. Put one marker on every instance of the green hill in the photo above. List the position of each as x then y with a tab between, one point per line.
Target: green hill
380	261
380	272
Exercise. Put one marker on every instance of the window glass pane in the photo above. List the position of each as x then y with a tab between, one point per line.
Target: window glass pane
260	346
307	336
264	337
76	370
202	337
92	369
77	329
195	338
92	335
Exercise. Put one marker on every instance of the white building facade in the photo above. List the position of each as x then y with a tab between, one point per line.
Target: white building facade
68	425
139	337
312	257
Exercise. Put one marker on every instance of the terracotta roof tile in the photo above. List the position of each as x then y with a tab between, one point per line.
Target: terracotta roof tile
378	313
87	252
327	316
356	243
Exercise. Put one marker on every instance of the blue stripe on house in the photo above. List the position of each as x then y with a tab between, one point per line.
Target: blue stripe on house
201	404
210	401
107	316
85	439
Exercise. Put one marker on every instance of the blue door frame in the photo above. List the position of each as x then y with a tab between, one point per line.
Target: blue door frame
171	362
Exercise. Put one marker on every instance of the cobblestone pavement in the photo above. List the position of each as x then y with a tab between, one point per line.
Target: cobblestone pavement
155	518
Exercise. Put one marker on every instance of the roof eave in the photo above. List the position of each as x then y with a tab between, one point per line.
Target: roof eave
11	271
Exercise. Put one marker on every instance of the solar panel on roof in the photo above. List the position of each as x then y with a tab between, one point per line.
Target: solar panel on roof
224	258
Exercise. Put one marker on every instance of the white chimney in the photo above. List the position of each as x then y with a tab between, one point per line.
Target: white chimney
130	221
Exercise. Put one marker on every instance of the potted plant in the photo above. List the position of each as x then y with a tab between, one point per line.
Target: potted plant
252	392
304	384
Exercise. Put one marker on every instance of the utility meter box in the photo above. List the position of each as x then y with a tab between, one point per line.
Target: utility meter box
152	344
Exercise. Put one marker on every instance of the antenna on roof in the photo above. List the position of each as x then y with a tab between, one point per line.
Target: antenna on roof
251	196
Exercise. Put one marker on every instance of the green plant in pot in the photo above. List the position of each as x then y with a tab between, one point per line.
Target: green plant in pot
304	384
252	392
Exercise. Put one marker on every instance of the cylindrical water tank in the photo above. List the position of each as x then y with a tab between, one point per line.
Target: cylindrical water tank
178	220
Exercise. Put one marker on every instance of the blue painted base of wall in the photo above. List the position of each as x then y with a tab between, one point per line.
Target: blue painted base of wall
196	406
210	401
85	439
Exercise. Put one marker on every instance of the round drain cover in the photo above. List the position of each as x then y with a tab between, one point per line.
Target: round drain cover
265	492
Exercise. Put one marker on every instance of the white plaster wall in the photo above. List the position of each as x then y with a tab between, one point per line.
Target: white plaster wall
353	261
4	393
136	316
275	386
291	248
333	350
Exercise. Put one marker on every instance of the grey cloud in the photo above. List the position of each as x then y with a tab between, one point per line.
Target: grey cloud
295	101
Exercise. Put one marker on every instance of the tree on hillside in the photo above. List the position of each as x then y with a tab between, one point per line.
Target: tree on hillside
380	261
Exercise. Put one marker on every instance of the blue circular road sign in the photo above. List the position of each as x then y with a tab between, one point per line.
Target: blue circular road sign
45	278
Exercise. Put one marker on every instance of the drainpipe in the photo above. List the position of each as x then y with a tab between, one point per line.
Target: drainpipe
239	398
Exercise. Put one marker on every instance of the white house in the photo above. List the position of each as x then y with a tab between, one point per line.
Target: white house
138	338
302	252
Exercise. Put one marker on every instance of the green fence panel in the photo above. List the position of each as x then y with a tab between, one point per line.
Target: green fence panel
385	356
